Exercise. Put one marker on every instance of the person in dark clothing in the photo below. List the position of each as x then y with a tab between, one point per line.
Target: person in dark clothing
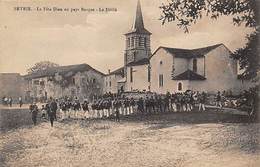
140	105
147	105
85	107
160	104
218	100
34	110
53	109
117	104
152	104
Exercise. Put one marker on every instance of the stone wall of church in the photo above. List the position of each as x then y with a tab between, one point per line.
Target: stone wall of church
221	73
140	78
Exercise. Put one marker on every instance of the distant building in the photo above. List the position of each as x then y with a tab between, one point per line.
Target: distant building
81	81
113	81
204	69
12	85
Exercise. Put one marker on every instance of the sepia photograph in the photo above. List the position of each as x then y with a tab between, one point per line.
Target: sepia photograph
129	83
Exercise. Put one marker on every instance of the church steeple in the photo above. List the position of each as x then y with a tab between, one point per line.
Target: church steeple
138	23
137	39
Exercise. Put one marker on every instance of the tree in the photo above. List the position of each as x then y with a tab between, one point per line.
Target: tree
187	12
40	66
248	57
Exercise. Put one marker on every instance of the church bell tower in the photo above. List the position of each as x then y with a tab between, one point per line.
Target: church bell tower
137	40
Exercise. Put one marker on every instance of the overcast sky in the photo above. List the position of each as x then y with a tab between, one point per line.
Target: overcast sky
95	38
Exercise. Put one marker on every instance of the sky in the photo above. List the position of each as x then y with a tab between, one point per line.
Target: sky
95	38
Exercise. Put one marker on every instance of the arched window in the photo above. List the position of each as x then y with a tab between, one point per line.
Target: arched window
140	41
128	42
132	41
179	86
145	42
194	65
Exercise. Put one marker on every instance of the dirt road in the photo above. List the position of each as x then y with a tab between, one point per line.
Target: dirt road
128	144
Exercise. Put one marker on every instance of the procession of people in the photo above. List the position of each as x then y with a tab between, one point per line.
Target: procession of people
116	105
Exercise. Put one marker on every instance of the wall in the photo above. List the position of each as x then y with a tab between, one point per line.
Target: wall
165	68
114	85
200	65
140	78
221	73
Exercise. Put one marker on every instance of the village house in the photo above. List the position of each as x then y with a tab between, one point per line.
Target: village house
113	81
80	81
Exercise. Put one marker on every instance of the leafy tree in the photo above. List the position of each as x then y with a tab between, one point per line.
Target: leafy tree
40	66
248	56
243	12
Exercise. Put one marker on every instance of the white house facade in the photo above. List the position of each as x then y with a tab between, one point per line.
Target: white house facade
208	69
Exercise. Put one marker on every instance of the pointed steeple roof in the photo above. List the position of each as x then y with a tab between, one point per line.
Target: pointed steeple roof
138	26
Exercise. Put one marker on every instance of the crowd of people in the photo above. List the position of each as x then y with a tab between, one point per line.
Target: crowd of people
115	105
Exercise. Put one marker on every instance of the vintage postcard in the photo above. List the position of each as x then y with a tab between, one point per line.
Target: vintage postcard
129	83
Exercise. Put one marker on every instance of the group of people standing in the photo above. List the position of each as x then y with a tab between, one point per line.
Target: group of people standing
8	101
114	106
49	111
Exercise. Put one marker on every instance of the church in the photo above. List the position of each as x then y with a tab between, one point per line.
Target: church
170	69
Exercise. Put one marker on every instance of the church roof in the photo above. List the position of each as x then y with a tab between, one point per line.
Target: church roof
139	62
138	26
61	70
189	53
188	75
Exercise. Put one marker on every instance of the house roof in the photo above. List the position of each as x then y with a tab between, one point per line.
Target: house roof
61	70
189	53
139	62
138	26
188	75
119	71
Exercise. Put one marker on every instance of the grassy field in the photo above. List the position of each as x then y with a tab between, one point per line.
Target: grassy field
170	139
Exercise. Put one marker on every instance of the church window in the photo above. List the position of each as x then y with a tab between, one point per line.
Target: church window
128	42
179	86
131	74
132	41
140	41
94	80
160	80
161	62
194	65
109	83
145	42
73	81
